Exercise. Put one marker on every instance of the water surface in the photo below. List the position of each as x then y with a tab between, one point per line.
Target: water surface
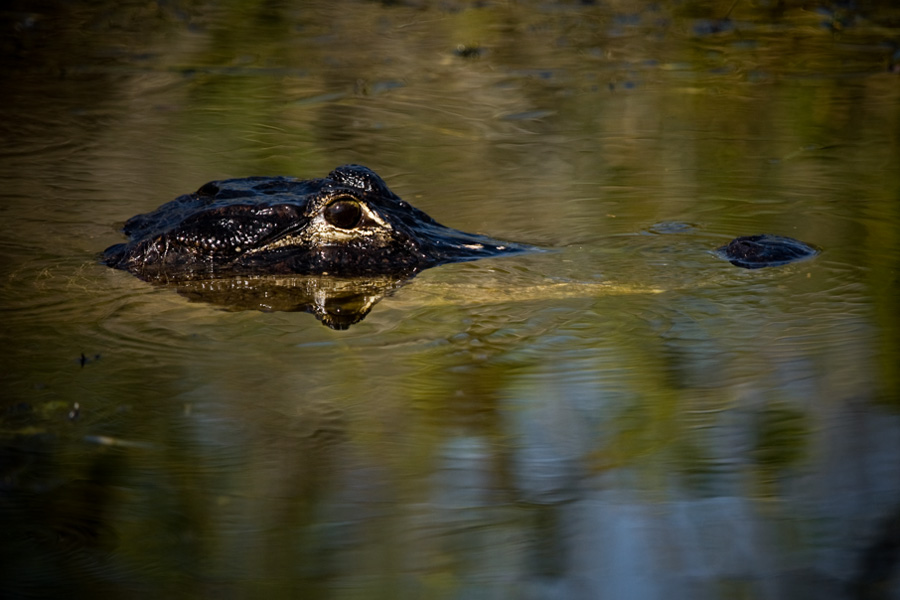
626	416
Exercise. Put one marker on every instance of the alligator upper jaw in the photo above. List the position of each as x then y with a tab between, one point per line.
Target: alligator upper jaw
445	245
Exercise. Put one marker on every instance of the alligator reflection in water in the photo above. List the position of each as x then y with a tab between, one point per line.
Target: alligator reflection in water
336	302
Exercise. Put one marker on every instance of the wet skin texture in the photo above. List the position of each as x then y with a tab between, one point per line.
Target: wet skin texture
348	224
757	251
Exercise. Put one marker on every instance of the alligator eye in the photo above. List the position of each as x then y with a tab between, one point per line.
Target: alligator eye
345	214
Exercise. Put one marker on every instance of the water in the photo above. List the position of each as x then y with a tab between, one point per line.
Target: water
626	415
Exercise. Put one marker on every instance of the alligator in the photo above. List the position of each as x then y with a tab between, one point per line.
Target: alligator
346	236
349	224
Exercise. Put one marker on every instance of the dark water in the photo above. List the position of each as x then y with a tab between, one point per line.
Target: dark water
628	416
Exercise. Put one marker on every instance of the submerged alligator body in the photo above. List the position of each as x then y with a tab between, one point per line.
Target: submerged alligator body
348	224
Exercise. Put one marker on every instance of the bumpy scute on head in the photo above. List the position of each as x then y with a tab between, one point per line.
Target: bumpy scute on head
765	250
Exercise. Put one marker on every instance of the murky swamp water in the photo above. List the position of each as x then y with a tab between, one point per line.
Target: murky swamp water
624	416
